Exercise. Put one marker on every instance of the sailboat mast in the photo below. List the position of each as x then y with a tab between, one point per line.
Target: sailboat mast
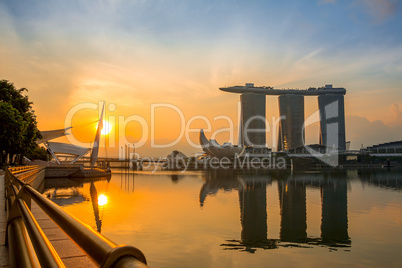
95	149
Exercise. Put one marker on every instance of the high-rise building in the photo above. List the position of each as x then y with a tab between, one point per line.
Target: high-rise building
291	131
252	125
332	120
291	105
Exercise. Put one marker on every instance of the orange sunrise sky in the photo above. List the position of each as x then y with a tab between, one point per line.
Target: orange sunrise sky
135	54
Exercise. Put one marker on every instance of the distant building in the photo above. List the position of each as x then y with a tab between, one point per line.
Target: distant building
174	155
213	148
332	120
252	126
291	131
392	148
252	130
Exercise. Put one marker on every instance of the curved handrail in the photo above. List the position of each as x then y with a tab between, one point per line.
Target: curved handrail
99	249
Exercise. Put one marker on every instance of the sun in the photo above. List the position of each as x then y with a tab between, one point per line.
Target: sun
107	127
102	200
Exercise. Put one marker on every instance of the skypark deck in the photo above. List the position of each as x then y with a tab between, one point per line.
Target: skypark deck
250	88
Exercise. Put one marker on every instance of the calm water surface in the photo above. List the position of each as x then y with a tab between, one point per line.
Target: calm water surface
223	218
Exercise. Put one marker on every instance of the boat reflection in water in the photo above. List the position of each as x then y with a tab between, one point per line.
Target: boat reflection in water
252	189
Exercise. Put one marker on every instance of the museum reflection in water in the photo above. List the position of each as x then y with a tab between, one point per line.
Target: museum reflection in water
252	190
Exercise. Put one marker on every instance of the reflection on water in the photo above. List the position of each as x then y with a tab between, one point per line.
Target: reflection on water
95	206
312	211
292	198
253	211
334	223
127	178
65	191
388	179
102	200
252	190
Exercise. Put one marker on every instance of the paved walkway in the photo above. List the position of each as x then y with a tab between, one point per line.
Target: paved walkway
70	254
3	222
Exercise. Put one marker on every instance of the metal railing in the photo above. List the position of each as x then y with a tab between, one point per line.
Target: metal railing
29	246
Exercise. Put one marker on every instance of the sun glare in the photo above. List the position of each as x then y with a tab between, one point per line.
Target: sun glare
102	200
107	127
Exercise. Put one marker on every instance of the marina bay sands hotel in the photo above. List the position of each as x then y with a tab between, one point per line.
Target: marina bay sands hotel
291	109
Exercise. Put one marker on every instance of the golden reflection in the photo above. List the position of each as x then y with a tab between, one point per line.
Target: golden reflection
102	200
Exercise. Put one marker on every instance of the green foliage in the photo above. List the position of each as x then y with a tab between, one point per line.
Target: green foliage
11	128
39	153
18	127
13	96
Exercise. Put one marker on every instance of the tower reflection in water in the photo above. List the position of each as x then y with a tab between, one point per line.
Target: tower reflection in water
252	190
292	200
253	211
334	223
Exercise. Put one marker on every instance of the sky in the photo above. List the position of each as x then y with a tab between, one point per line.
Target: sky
158	64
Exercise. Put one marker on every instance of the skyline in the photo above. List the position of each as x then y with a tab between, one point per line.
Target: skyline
137	53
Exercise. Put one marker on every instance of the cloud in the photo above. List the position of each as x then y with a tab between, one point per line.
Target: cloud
361	131
380	10
396	114
307	60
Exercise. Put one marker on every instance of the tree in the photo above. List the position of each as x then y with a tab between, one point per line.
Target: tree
39	153
18	127
13	96
11	130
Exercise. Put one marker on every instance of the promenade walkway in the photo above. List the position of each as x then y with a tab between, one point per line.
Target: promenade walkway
3	222
69	253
